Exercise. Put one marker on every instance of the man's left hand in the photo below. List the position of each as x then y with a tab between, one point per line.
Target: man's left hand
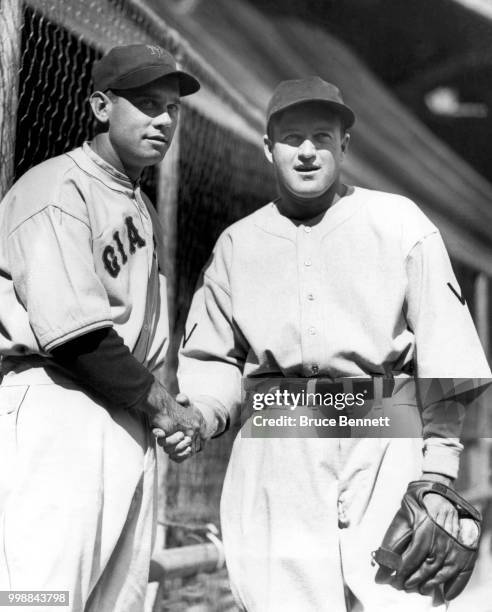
440	508
423	548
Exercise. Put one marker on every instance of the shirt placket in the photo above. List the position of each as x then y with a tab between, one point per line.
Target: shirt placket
310	267
147	228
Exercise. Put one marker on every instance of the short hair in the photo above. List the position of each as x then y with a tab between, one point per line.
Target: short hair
100	127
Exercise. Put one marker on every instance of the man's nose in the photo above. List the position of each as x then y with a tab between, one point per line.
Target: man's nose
162	120
307	150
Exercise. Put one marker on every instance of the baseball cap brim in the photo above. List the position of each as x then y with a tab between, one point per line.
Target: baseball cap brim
346	113
141	76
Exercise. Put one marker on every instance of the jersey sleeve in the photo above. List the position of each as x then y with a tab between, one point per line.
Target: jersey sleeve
51	259
212	354
450	363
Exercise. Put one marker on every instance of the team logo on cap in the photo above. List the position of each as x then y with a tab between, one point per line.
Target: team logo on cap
155	50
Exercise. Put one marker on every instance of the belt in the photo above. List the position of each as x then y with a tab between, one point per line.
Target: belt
374	387
314	394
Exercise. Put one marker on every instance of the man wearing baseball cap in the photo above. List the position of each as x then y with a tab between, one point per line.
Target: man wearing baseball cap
83	327
337	287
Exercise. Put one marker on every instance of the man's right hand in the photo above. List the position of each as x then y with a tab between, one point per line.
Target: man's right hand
172	417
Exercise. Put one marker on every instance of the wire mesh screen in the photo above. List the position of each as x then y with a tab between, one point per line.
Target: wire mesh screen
222	178
53	114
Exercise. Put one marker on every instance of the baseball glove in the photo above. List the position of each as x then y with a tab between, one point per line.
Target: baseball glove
417	554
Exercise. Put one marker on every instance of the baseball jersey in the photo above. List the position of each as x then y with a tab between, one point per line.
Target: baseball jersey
366	289
77	253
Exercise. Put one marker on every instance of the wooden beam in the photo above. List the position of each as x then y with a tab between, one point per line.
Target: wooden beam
452	67
167	209
186	561
482	318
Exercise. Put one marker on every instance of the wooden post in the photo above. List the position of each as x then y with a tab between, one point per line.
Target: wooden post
167	204
10	53
482	310
167	208
481	467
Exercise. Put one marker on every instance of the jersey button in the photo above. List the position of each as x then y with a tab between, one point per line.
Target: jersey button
310	297
307	229
308	263
312	331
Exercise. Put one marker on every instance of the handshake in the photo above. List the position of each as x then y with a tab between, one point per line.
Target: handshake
177	424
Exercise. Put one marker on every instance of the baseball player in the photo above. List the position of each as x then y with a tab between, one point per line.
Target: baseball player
83	326
339	282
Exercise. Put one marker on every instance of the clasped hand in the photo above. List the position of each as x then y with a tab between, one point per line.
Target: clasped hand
177	424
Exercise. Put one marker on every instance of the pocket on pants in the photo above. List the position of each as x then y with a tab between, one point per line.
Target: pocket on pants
11	399
405	420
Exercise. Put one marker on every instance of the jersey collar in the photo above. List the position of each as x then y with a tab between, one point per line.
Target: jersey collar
277	224
93	164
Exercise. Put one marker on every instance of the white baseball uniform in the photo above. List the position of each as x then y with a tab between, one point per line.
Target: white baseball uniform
77	480
362	290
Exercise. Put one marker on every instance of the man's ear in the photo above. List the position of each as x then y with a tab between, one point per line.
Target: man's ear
267	148
345	142
101	106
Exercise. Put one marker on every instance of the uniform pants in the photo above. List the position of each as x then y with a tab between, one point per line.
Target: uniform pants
77	487
301	517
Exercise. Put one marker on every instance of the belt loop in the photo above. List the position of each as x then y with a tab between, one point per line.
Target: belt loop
348	385
377	382
388	385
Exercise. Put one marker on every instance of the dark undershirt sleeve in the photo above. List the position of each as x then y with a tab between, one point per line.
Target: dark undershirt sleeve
103	364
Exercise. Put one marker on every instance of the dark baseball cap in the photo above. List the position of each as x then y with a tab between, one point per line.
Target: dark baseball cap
134	65
310	89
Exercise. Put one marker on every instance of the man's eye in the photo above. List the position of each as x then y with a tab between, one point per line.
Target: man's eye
291	139
146	104
173	108
323	136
